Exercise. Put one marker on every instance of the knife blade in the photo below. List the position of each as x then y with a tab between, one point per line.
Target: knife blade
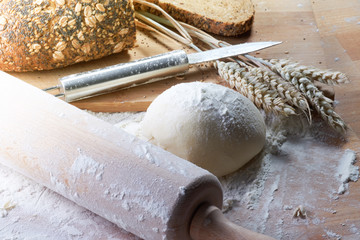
230	51
104	80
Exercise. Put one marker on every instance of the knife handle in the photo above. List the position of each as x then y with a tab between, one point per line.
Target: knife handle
104	80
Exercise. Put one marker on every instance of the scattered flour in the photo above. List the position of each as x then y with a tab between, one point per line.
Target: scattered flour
347	171
254	196
333	235
354	19
293	158
85	164
354	229
7	206
35	212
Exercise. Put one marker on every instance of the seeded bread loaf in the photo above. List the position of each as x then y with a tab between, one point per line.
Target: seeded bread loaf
47	34
222	17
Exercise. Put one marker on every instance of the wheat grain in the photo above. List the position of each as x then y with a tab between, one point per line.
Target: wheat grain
329	115
268	91
299	81
312	73
248	85
285	89
316	98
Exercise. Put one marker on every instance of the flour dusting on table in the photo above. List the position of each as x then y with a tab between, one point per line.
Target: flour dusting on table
40	213
256	196
347	172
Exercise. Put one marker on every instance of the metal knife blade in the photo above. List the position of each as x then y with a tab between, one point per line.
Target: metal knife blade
99	81
229	51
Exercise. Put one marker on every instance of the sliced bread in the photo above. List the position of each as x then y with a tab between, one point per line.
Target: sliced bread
222	17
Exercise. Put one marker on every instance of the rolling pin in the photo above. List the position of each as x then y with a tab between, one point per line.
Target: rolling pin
134	184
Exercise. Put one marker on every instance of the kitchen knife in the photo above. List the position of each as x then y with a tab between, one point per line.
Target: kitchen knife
99	81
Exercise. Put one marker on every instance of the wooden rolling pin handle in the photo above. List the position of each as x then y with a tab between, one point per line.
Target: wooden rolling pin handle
209	223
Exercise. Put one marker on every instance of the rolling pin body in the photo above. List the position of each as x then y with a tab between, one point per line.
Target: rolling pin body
134	184
141	188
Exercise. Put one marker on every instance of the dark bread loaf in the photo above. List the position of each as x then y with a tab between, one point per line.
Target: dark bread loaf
48	34
222	17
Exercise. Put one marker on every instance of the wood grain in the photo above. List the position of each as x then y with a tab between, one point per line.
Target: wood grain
339	27
320	33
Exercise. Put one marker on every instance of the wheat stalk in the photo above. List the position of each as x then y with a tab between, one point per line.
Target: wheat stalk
285	90
261	85
316	98
239	78
170	19
250	86
312	73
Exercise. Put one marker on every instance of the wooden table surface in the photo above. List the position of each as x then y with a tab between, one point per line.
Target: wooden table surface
321	33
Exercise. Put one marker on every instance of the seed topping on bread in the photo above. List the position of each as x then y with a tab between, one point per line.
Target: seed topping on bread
46	34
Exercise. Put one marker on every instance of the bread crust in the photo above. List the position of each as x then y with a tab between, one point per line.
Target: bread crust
216	26
48	34
211	25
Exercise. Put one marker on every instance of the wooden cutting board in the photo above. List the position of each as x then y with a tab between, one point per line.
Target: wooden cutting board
320	33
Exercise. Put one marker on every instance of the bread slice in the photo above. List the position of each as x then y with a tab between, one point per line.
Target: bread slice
47	34
222	17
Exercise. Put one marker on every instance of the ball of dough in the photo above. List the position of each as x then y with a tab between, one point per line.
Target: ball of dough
210	125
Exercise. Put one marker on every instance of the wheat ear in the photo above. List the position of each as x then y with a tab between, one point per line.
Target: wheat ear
239	78
285	89
316	98
314	74
259	93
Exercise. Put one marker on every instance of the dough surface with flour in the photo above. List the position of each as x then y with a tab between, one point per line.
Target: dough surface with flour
210	125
